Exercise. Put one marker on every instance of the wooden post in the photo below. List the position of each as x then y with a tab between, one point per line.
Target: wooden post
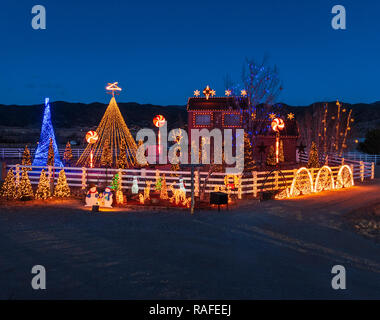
254	181
373	171
362	171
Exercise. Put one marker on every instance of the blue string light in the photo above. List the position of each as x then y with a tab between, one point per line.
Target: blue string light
47	133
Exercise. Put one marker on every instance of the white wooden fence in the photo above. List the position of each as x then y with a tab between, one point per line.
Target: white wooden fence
250	184
16	153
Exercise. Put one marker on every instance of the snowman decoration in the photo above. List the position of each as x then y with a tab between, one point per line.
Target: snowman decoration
107	197
92	196
135	186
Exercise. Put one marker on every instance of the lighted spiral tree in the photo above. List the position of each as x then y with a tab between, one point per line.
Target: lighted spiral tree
114	132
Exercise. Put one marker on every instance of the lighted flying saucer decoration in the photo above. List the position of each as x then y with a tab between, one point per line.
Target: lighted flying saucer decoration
277	125
91	138
112	87
159	121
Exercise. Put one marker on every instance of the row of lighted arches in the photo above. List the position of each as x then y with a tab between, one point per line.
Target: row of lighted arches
303	184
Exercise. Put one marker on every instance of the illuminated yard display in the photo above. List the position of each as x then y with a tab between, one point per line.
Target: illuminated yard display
47	135
277	125
91	138
114	134
159	121
303	182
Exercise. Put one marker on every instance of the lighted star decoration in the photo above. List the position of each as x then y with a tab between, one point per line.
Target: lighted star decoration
243	93
272	115
213	92
197	93
208	92
290	116
228	93
113	87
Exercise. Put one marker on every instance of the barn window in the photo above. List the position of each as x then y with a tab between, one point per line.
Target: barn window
202	119
231	120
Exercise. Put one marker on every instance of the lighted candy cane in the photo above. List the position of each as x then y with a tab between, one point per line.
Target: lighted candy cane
91	138
159	121
277	125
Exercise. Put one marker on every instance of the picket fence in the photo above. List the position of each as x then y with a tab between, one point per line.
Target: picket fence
250	184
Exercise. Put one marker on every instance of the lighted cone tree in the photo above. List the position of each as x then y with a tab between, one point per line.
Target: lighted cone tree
24	189
112	128
68	154
164	189
26	158
313	157
271	157
122	162
50	158
43	189
62	189
8	189
47	135
249	162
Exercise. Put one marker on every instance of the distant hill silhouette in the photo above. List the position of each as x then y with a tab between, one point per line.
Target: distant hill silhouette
72	120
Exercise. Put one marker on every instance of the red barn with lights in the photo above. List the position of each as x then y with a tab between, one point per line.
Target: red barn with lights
226	113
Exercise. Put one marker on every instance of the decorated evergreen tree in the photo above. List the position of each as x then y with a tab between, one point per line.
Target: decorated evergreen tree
26	159
106	158
158	181
24	190
8	189
115	184
68	154
271	157
249	162
62	189
313	156
43	189
122	161
164	189
281	157
50	158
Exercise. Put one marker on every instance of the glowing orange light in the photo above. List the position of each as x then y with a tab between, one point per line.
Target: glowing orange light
228	93
277	125
208	92
113	87
197	93
291	116
159	120
92	137
243	93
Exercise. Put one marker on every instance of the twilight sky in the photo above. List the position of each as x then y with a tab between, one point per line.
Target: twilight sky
161	51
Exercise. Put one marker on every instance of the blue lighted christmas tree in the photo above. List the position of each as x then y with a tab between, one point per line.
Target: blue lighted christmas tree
47	133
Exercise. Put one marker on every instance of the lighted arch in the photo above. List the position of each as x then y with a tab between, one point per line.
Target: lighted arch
300	187
345	178
324	180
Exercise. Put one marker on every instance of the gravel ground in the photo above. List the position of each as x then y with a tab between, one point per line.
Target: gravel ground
268	250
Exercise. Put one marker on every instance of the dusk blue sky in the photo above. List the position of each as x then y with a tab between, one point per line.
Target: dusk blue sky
161	51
